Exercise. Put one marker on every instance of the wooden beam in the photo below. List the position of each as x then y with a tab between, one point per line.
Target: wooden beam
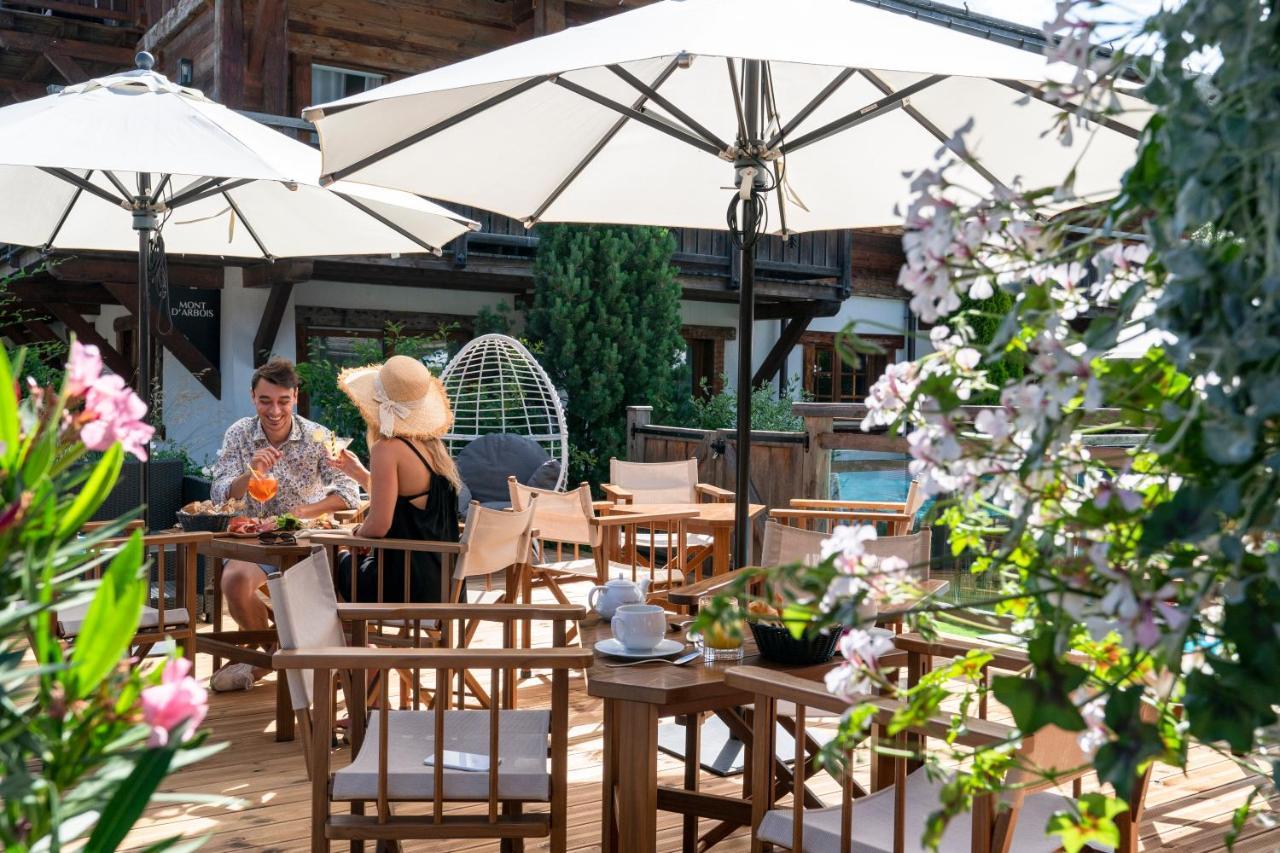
790	310
300	96
270	274
88	334
778	354
126	272
195	361
548	16
228	52
171	23
70	70
38	290
269	326
274	67
100	13
86	50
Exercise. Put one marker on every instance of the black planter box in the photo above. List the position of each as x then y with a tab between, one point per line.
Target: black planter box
165	487
195	489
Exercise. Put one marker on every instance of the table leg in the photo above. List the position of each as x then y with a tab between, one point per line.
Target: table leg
609	771
637	771
692	762
720	550
216	565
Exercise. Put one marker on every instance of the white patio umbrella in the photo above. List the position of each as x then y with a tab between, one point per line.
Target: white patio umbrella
115	163
756	116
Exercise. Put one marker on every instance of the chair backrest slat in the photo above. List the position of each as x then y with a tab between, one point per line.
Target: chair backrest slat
563	518
784	544
657	482
494	539
915	549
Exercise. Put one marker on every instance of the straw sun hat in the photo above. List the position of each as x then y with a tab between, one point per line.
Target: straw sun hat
400	396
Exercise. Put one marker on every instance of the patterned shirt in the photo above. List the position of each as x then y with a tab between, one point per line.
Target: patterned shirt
303	474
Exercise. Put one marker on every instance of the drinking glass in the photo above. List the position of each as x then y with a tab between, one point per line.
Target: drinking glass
262	489
719	642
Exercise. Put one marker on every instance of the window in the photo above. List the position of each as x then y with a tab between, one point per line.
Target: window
706	356
832	376
330	84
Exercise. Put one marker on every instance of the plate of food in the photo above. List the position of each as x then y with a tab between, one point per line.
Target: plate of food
209	516
245	527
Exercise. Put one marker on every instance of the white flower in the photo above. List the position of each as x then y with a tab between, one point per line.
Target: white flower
1095	733
846	540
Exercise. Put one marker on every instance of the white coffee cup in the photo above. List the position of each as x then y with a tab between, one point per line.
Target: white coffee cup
639	627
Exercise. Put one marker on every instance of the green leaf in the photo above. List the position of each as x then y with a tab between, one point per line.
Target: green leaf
8	411
1093	822
797	618
129	800
93	493
112	619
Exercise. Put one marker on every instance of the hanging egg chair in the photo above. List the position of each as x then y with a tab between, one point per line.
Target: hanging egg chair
496	386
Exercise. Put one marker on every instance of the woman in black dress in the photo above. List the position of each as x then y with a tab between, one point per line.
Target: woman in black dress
411	479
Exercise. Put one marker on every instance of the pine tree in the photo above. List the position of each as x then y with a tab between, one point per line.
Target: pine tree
606	311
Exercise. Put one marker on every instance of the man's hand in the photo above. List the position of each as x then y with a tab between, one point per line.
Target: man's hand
265	459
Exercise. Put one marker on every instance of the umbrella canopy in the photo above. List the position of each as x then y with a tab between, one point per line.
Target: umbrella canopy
633	119
755	116
223	184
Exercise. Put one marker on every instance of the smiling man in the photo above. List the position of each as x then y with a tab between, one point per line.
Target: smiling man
275	442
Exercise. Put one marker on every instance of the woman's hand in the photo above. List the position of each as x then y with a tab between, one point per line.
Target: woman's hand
349	464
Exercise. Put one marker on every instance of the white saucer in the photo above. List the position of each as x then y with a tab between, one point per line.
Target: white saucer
664	649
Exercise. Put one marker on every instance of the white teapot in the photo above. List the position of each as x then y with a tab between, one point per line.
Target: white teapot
606	599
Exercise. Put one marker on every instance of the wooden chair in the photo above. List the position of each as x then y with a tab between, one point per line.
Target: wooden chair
391	746
575	544
893	518
660	483
892	817
164	615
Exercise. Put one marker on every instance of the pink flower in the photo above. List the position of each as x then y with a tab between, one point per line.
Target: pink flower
83	369
115	414
177	699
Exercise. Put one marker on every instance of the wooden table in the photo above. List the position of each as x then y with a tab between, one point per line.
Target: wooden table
232	644
713	519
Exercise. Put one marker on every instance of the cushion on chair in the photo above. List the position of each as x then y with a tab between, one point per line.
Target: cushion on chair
523	737
873	823
70	619
545	477
487	462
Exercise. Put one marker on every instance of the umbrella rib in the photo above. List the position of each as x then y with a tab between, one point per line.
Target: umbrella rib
207	191
368	211
644	118
737	102
807	110
936	132
115	182
164	183
65	213
875	109
254	234
77	181
1091	115
598	147
439	126
652	94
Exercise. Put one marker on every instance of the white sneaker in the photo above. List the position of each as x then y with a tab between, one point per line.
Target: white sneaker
232	677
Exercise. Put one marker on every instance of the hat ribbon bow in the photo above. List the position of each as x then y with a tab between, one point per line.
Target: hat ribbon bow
389	409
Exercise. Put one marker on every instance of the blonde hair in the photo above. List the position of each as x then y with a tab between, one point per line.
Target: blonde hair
433	450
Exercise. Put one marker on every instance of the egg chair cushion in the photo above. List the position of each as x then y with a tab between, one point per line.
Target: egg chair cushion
486	462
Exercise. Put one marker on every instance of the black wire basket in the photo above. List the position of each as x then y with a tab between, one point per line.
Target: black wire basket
776	644
203	522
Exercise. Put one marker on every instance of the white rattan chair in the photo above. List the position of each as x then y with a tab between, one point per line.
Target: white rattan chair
497	386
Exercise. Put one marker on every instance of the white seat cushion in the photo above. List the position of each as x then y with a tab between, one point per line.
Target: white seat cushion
660	540
71	618
873	823
523	738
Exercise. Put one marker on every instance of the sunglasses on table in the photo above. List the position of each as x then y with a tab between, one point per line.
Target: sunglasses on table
277	537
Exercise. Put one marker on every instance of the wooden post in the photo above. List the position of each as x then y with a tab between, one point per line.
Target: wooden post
817	459
637	416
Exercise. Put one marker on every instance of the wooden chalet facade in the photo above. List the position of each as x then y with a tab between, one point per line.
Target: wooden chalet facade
271	58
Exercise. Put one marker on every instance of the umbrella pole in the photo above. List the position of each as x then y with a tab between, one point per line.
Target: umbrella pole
749	182
144	222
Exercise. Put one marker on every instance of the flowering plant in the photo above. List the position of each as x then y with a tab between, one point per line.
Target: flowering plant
89	733
1144	583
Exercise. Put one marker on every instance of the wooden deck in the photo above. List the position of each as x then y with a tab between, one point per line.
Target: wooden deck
1185	812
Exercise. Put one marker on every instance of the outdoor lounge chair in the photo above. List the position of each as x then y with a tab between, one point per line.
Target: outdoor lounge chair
390	747
893	518
892	817
660	483
487	462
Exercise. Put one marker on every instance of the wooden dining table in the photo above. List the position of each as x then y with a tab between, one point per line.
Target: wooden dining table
238	645
712	519
636	697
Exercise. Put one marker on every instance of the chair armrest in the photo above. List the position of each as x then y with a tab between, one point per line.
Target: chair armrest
362	657
346	539
617	493
483	612
689	594
624	519
775	684
602	506
717	494
1002	657
851	506
839	515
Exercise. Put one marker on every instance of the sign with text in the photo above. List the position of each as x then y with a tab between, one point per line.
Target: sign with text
197	313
